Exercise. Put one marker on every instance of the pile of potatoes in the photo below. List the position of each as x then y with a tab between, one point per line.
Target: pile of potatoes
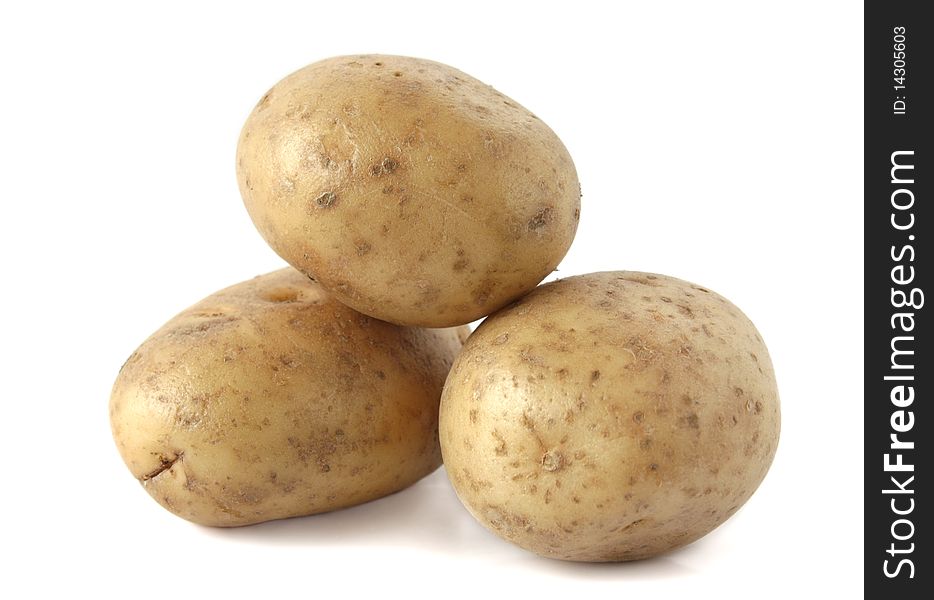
603	417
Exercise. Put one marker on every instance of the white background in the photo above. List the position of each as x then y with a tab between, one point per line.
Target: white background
717	142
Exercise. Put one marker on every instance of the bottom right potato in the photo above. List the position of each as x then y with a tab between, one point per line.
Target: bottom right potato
610	417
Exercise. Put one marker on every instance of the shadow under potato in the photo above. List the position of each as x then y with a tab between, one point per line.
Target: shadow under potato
428	515
422	515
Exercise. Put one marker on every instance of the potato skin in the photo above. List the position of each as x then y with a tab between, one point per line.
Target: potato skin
270	399
609	417
413	192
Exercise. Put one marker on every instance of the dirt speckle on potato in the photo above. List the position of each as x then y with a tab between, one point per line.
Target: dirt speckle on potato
553	461
387	166
541	218
500	448
690	421
326	200
362	247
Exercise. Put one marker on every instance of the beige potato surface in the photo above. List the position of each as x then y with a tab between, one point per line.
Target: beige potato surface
609	417
412	191
270	399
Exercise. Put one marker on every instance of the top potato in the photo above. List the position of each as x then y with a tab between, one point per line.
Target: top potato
413	192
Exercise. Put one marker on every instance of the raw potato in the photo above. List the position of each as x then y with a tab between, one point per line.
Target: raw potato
609	417
412	191
270	399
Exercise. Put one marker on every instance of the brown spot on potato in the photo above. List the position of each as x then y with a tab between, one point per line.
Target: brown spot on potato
362	247
326	200
474	483
553	461
500	448
482	294
387	166
691	421
640	349
281	294
429	293
540	219
633	525
527	356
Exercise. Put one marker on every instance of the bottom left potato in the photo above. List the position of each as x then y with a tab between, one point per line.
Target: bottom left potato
270	399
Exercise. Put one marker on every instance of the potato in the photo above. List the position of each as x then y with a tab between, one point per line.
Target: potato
610	417
413	192
270	399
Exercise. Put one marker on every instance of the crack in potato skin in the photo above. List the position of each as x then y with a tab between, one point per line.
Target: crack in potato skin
270	399
609	417
414	192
